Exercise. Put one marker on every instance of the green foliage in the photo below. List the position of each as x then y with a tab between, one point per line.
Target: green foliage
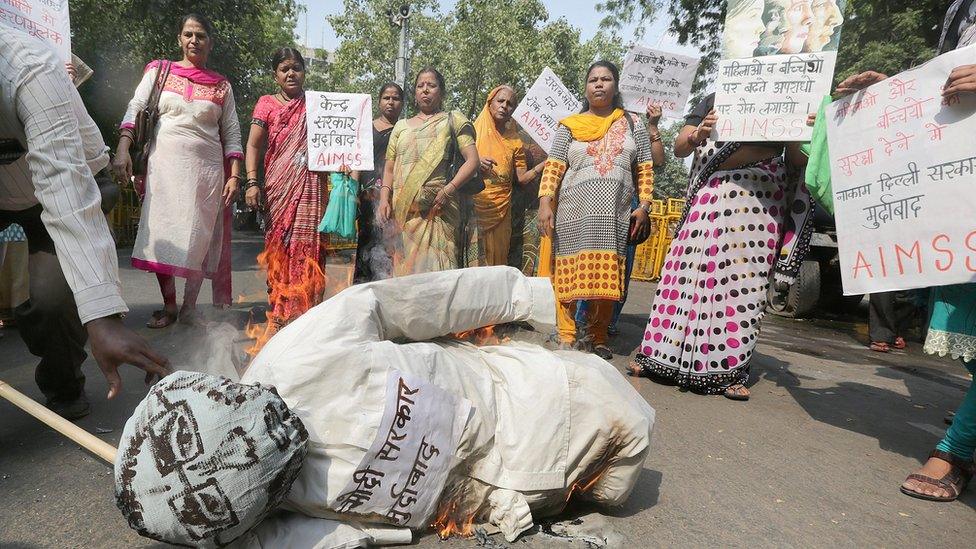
671	180
118	37
478	45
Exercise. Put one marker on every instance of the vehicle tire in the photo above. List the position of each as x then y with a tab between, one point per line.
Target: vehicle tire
801	297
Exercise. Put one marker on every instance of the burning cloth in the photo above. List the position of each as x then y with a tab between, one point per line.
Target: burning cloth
407	428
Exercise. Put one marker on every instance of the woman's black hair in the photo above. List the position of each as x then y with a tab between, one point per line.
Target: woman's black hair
286	54
618	100
394	85
203	21
437	75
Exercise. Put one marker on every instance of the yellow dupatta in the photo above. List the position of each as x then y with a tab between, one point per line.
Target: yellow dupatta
494	203
422	170
587	127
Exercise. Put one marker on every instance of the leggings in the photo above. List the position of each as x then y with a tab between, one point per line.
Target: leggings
960	439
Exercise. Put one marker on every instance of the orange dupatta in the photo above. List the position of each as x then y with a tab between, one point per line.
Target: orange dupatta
494	203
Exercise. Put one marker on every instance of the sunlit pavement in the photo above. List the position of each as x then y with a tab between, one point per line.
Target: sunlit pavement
814	459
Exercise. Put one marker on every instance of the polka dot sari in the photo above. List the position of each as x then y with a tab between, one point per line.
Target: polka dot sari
706	314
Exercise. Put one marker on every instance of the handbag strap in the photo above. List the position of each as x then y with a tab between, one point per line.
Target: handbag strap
161	75
453	144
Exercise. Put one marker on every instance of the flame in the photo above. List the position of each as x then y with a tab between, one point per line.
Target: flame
300	292
481	336
586	482
448	524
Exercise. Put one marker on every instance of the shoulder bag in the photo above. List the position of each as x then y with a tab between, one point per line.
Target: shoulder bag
146	119
455	160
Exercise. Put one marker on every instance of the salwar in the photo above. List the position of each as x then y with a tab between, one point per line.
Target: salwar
497	240
889	315
960	439
598	316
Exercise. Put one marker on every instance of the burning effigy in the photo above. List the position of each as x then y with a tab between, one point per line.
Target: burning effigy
399	426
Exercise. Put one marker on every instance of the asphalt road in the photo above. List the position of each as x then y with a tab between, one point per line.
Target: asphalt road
814	459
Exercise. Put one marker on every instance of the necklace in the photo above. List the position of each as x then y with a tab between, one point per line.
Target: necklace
284	98
425	117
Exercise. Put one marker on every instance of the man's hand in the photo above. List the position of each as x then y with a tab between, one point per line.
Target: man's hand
112	344
858	82
961	80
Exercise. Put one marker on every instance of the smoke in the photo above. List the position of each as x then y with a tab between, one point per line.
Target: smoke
217	351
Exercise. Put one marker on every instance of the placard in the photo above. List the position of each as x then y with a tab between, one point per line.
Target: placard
903	172
340	131
546	103
657	77
402	475
778	63
45	19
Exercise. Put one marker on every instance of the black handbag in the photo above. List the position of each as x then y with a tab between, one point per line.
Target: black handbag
472	186
146	119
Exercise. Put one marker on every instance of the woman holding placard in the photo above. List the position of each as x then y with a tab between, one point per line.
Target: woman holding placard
742	213
293	196
421	186
599	160
192	173
502	156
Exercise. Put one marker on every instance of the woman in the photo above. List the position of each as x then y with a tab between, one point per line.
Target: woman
743	27
952	309
739	218
372	260
524	249
192	176
502	156
294	197
599	159
419	192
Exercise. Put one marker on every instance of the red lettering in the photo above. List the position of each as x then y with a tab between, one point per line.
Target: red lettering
884	267
760	127
915	249
862	263
779	127
726	128
797	127
971	244
952	257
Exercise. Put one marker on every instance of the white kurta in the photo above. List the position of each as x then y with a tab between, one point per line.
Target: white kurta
541	421
180	226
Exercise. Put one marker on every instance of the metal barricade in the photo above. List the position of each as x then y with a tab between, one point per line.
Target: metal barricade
124	218
650	255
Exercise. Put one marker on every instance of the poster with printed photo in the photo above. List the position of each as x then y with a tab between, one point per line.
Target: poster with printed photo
778	59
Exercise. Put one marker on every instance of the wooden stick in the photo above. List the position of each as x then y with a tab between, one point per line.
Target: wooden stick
85	439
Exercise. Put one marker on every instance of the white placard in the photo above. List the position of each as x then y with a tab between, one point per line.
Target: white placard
340	131
45	19
546	103
903	170
402	475
768	98
657	77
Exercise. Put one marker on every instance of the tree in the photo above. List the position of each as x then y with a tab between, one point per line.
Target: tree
118	37
671	180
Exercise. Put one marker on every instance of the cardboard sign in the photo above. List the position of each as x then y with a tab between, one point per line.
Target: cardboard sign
340	131
546	103
778	63
652	77
402	475
903	170
47	20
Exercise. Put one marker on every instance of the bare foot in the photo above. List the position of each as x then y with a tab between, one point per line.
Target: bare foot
934	468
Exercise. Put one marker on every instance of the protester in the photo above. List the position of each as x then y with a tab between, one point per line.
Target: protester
888	317
738	219
502	156
193	174
599	159
49	147
952	309
654	114
293	196
372	256
419	190
524	248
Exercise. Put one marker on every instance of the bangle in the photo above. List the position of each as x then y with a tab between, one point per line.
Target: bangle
692	141
655	137
251	183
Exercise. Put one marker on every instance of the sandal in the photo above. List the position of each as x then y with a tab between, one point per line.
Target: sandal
954	482
161	319
603	352
880	347
737	392
900	343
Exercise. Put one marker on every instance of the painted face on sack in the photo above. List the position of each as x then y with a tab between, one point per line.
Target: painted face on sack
290	76
195	43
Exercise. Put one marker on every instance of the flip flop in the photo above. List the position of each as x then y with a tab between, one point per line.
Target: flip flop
733	392
161	319
954	482
880	347
900	343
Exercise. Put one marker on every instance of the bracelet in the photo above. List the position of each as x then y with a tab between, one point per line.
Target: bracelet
237	177
251	183
692	141
655	137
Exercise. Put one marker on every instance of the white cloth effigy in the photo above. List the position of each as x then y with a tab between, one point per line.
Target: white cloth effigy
540	421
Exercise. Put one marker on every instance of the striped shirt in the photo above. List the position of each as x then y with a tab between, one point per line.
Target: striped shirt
42	112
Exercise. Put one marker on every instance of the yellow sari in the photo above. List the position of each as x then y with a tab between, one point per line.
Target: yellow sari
429	240
494	204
